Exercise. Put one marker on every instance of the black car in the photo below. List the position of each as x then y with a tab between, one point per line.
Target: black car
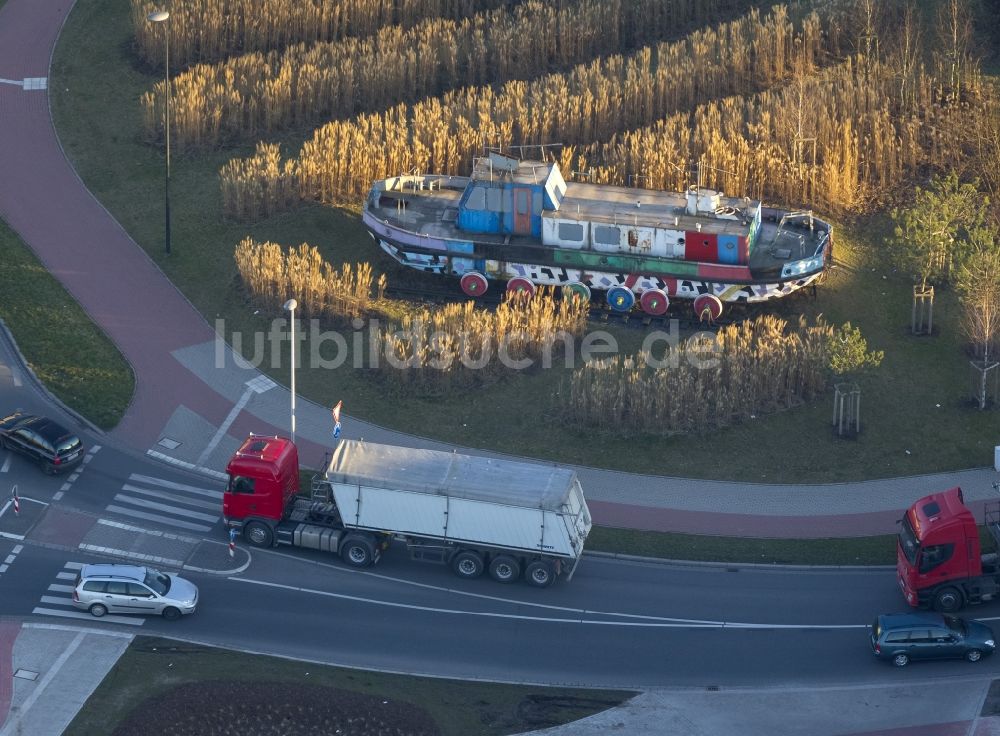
901	637
46	442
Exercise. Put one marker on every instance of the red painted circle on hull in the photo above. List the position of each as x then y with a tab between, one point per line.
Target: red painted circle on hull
654	302
474	284
708	307
520	286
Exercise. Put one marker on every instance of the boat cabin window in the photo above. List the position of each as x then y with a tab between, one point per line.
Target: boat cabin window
571	231
494	200
606	235
633	238
477	199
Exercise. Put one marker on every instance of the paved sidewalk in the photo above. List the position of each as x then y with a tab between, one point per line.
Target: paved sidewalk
55	669
965	707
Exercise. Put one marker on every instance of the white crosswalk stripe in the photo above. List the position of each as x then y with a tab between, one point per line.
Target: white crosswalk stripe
167	502
65	602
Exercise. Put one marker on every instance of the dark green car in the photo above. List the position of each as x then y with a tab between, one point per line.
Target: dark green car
901	637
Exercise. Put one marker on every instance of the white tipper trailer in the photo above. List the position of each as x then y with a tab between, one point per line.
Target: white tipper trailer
473	513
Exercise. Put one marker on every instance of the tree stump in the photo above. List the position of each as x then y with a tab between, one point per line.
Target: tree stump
847	409
922	314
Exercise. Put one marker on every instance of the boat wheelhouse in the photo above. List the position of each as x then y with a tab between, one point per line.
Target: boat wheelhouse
520	223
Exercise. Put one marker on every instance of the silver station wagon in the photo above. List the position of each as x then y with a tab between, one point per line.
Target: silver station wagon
103	589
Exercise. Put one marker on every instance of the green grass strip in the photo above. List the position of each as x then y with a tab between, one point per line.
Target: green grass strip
65	349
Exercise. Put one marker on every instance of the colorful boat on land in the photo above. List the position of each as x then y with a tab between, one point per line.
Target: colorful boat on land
520	223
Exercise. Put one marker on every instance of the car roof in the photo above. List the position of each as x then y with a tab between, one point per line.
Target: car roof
132	572
47	428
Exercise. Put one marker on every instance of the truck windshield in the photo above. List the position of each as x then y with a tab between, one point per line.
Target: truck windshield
908	540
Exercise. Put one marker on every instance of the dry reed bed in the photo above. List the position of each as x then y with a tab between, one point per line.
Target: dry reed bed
259	94
591	102
461	345
206	31
750	369
868	141
271	275
869	138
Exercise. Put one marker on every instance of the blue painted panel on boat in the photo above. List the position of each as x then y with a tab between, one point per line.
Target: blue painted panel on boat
481	265
479	221
462	265
460	247
729	249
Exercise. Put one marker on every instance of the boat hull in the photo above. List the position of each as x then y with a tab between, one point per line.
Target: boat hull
676	287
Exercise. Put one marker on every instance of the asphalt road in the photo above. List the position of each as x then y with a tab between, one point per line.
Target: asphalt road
656	625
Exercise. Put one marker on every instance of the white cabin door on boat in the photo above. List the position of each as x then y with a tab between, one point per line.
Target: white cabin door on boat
522	210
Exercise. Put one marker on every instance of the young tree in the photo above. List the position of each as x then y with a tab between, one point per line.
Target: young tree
933	233
978	285
953	52
847	351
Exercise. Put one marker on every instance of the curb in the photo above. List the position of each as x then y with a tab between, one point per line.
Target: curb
230	571
753	565
156	455
8	337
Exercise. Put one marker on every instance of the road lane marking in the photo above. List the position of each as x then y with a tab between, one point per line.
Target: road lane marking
6	465
55	600
59	588
143	503
197	490
481	596
66	576
111	619
158	517
663	623
173	497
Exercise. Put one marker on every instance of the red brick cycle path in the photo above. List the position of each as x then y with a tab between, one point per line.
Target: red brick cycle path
81	244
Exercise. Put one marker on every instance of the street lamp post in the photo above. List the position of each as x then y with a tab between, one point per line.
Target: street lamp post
290	305
162	16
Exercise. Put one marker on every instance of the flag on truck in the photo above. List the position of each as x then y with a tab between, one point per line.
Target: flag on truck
336	420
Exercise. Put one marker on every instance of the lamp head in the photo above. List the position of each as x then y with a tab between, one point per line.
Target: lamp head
291	304
158	16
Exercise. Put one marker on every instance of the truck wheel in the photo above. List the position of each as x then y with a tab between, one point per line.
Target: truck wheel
358	551
258	534
504	569
468	565
948	600
540	574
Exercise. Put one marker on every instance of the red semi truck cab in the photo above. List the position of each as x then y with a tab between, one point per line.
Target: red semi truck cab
263	481
939	560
